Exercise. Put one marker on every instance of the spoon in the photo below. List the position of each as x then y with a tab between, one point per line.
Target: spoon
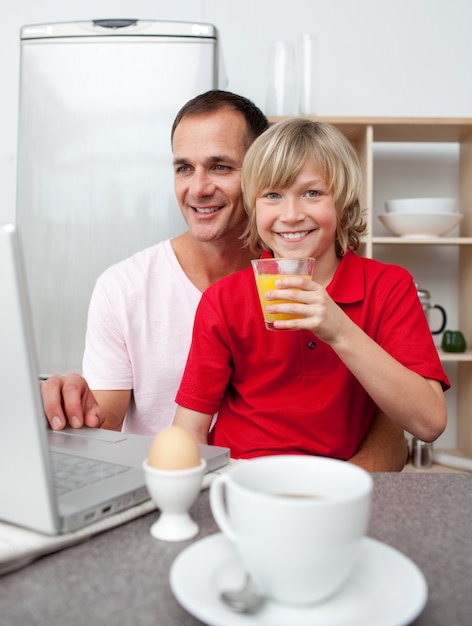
244	600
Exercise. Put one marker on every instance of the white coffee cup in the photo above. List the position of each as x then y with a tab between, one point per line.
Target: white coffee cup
296	522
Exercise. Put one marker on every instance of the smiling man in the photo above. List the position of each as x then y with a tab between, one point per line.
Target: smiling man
142	309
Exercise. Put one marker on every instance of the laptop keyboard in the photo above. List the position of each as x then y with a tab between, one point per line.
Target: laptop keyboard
74	472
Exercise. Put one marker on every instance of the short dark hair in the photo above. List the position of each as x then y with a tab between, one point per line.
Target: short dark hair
216	100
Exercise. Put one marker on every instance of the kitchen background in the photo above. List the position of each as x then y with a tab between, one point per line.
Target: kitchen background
402	58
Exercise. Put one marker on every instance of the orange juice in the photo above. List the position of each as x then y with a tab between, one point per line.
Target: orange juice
266	282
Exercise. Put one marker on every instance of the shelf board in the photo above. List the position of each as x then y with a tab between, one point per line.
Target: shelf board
454	356
419	241
395	129
451	461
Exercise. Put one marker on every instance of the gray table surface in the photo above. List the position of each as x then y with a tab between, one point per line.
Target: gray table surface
121	576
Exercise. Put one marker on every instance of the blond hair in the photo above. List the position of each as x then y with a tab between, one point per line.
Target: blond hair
275	159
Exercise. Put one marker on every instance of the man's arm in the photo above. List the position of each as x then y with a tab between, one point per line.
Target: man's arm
384	448
68	400
114	403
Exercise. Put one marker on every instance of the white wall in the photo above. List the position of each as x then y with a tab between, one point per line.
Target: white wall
375	57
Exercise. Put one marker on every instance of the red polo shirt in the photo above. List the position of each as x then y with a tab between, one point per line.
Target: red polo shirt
287	392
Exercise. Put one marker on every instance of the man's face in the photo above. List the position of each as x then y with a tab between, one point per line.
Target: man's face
208	153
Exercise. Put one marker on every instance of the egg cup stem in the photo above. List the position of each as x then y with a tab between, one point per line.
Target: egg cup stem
174	527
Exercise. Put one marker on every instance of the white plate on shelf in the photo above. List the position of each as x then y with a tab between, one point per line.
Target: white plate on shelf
386	589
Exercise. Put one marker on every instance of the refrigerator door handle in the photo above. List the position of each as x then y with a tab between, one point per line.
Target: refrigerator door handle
114	23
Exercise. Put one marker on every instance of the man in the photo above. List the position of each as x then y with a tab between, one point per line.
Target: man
141	313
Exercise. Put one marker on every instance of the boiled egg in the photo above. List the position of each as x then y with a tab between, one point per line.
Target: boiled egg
174	449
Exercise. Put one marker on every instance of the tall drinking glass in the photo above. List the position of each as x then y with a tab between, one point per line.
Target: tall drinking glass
282	98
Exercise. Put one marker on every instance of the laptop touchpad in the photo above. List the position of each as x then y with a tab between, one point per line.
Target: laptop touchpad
83	438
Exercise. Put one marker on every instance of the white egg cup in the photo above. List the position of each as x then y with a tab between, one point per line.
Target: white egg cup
174	492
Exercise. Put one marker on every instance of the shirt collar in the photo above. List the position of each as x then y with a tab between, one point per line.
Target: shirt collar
348	283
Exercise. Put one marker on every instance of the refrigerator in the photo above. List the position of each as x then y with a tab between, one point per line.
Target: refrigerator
95	178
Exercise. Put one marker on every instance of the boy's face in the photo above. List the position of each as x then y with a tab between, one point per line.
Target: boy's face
208	153
300	220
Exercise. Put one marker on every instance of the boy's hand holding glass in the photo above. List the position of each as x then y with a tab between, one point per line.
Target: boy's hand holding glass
267	272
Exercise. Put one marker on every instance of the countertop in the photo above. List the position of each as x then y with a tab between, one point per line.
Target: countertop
121	577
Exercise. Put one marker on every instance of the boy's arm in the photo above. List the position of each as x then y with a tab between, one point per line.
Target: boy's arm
197	424
384	448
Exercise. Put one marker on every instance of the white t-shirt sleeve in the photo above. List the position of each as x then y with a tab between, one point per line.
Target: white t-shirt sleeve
106	363
139	331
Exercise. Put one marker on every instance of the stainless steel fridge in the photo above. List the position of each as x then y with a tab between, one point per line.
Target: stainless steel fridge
95	179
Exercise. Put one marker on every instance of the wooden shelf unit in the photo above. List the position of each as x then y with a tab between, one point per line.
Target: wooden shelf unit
363	133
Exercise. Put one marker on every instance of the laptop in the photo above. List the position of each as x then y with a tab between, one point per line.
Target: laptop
30	496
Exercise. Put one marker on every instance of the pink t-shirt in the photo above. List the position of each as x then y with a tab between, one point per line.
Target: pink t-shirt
138	334
287	392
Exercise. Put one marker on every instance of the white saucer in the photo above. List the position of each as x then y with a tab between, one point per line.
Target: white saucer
387	589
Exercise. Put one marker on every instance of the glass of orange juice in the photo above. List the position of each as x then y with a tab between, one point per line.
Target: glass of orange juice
267	271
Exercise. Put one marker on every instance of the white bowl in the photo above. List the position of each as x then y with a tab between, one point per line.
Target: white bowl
420	224
421	205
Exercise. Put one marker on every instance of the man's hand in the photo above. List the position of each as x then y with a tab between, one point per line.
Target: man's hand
68	401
